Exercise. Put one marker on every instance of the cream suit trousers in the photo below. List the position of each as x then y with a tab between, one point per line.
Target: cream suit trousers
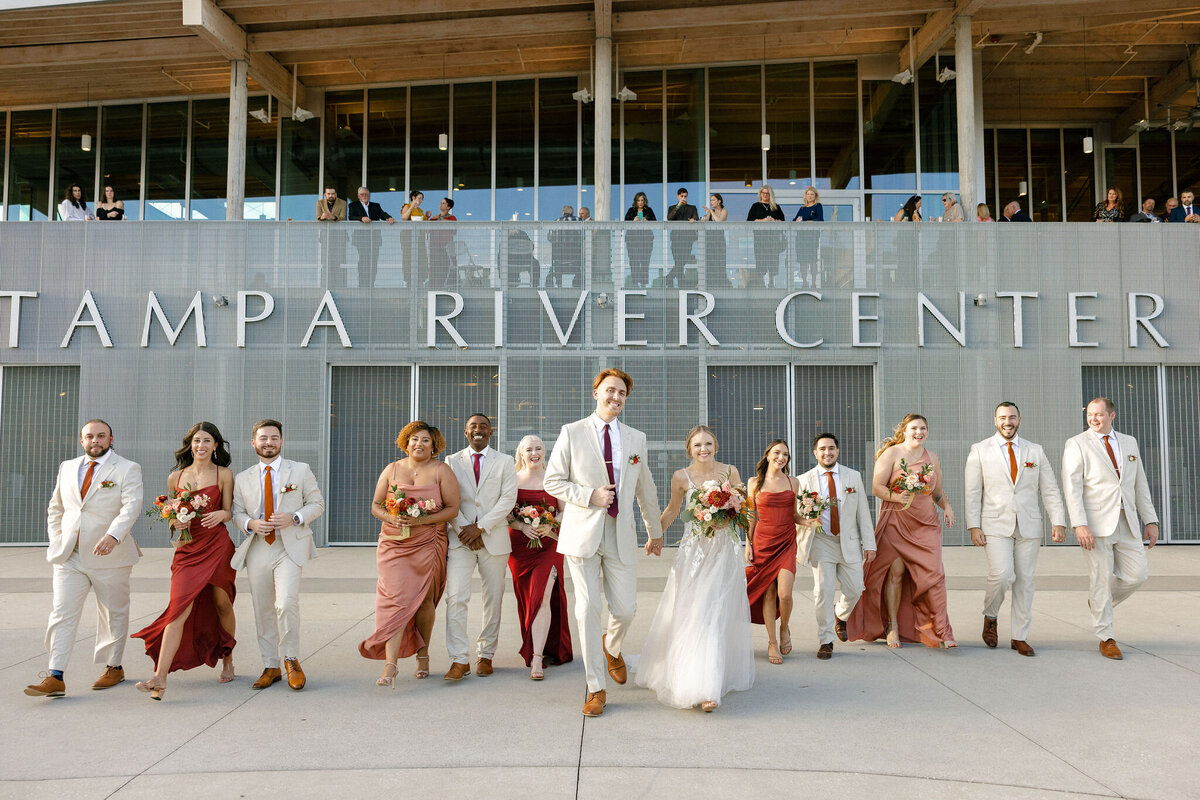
620	588
1012	561
830	572
1117	567
71	584
275	590
460	565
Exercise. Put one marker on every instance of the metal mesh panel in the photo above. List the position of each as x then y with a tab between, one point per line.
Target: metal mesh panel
368	407
448	396
747	407
39	427
1183	452
839	400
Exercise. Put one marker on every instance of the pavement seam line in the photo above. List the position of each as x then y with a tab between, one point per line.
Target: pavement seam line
1126	645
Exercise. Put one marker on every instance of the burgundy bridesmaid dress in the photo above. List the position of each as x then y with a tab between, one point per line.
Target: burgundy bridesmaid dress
530	568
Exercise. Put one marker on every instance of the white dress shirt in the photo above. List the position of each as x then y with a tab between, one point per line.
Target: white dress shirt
70	213
483	457
100	462
614	435
823	489
1003	445
275	490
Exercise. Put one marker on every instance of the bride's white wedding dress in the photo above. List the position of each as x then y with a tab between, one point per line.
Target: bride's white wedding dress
699	646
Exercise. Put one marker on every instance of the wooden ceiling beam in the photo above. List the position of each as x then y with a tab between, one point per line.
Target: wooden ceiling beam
25	57
219	29
1165	92
933	34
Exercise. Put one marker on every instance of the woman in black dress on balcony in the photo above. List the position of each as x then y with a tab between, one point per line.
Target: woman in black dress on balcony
110	207
639	243
767	244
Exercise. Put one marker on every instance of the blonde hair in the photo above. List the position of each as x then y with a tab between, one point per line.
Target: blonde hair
770	194
687	441
519	456
982	211
897	436
816	194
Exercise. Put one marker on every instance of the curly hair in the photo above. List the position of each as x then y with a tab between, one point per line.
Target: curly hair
220	456
898	434
415	427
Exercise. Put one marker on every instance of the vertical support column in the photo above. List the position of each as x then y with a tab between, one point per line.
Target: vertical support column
604	104
964	86
235	177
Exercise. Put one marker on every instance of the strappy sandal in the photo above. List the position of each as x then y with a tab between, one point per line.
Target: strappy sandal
892	635
776	658
708	706
155	689
227	677
388	678
785	642
422	667
537	669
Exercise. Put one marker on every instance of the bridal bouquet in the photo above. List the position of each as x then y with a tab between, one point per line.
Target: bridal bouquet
718	507
182	505
536	515
399	504
812	506
913	483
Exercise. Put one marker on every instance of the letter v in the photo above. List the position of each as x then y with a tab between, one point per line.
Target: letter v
558	331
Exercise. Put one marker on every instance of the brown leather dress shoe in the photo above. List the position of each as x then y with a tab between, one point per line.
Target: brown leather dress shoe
594	706
49	687
616	664
1022	647
270	675
1109	649
825	651
111	677
839	627
483	666
990	637
295	675
457	672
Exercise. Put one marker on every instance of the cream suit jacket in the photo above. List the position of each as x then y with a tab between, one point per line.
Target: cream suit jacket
1093	492
112	510
854	516
576	468
997	505
488	504
305	500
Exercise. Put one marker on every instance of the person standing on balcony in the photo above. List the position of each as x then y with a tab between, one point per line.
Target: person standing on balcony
1112	209
682	242
767	244
73	207
1186	211
714	243
331	208
639	243
367	241
1147	212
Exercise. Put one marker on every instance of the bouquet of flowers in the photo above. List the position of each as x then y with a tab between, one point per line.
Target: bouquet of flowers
718	507
912	483
812	506
182	505
399	504
536	515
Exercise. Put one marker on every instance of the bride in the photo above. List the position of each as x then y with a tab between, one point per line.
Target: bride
699	646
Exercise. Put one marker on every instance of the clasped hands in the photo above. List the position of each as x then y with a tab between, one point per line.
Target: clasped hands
263	527
471	535
604	497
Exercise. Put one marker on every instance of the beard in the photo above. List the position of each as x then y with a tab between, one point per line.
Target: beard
267	451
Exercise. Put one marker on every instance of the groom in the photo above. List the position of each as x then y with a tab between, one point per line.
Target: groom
597	470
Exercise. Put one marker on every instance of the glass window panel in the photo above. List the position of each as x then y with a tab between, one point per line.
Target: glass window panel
557	146
166	160
882	207
299	184
789	158
387	111
835	99
514	153
1079	168
1155	155
1011	161
939	127
121	155
644	140
368	408
71	163
210	158
685	135
472	189
747	407
1134	390
889	142
29	165
1045	184
344	132
1120	170
989	171
39	424
428	165
735	128
1183	453
261	139
1187	160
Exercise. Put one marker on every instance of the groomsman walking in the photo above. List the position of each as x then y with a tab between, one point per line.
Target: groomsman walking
1005	475
274	502
597	470
838	551
1106	492
97	498
487	481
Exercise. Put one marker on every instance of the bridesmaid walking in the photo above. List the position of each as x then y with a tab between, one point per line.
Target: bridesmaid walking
198	626
537	570
411	556
771	546
905	596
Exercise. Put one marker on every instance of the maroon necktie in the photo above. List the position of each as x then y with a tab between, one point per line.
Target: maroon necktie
268	502
1012	462
608	464
835	524
477	457
87	479
1112	457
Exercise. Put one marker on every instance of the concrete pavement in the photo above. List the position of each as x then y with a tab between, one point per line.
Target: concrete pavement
919	723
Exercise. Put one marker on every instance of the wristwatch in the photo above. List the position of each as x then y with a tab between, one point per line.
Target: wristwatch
295	519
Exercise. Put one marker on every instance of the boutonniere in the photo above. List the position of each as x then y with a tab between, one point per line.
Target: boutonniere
1133	458
291	487
1030	465
107	484
635	459
851	490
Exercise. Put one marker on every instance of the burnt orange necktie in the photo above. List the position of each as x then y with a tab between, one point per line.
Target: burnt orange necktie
1112	456
1012	462
835	524
87	479
268	502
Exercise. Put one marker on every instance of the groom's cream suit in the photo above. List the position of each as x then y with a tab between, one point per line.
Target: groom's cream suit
836	561
75	523
487	504
274	568
1008	513
1110	505
593	542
